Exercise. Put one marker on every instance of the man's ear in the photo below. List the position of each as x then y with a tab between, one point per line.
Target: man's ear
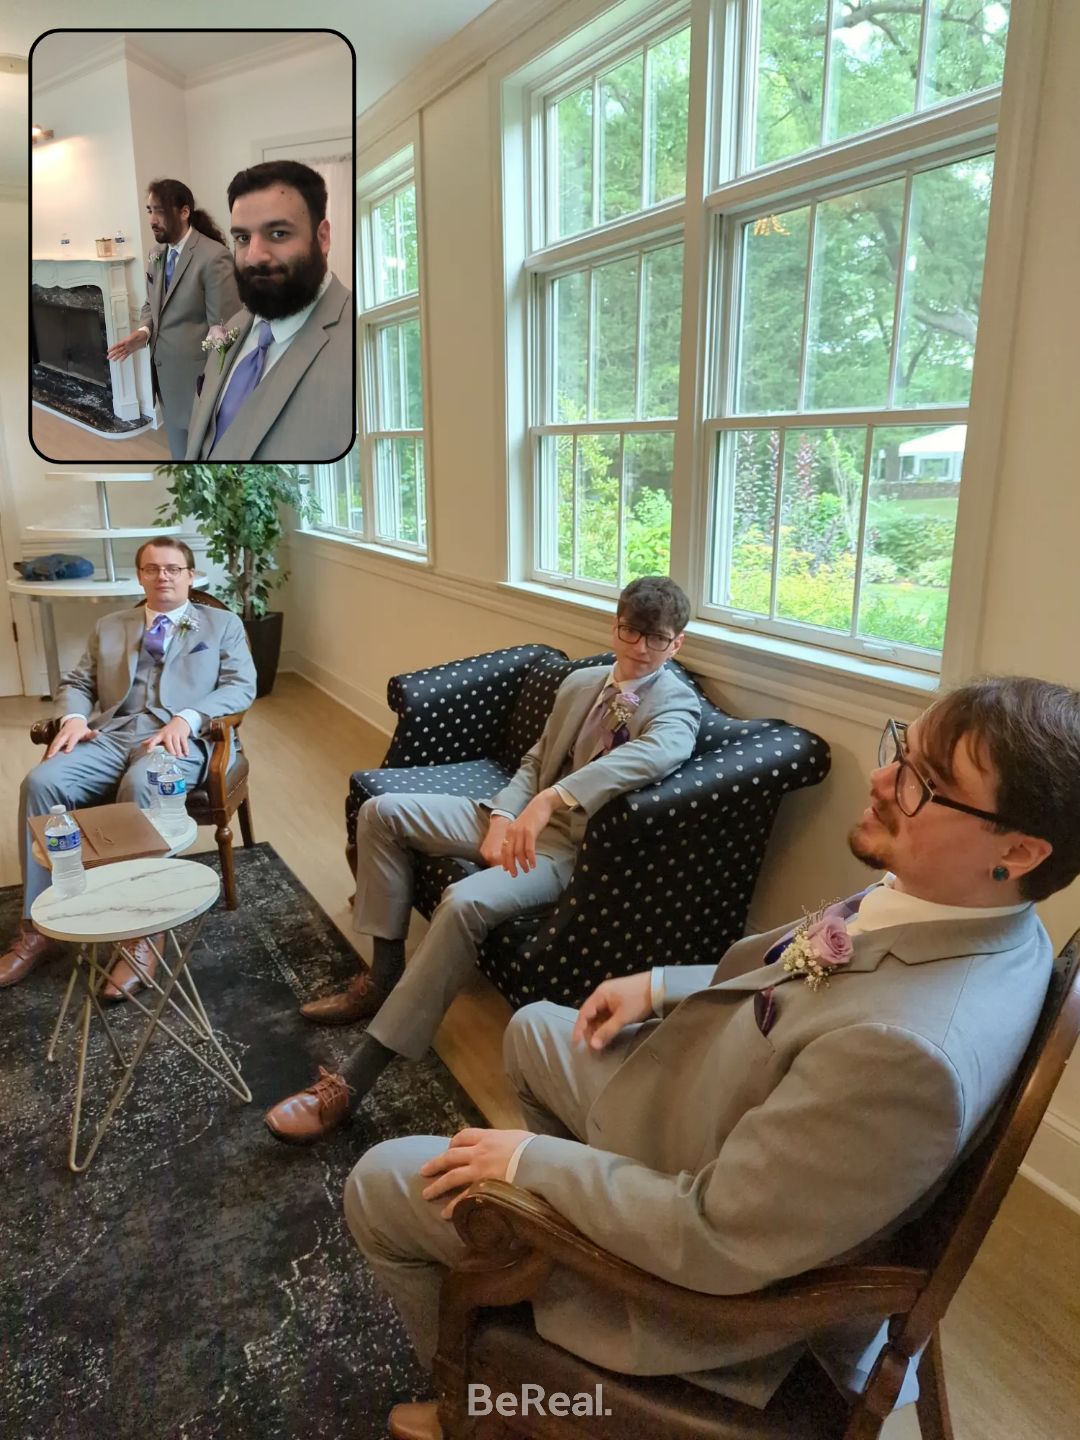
678	643
322	234
1025	854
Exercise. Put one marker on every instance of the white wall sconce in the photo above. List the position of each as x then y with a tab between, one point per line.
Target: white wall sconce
38	136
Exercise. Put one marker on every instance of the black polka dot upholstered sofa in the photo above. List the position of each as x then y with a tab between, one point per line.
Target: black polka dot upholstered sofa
665	874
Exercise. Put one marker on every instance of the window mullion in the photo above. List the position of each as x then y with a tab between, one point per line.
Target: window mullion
597	135
901	287
590	300
924	45
620	537
860	553
574	548
811	245
646	117
826	81
639	339
778	496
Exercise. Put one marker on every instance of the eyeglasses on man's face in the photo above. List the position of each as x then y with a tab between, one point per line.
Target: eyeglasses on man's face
654	639
170	570
913	789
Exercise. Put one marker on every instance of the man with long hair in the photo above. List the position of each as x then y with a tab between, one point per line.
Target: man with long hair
281	387
190	285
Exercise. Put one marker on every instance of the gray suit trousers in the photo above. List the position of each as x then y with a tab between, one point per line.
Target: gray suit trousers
403	1237
95	772
388	828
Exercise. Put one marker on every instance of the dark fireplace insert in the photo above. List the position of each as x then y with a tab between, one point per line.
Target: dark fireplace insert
68	332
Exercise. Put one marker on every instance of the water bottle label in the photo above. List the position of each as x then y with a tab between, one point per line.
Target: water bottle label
56	844
172	787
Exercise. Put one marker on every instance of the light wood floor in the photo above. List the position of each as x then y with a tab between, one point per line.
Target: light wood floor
58	439
1012	1340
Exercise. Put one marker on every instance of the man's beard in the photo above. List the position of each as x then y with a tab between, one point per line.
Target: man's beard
283	294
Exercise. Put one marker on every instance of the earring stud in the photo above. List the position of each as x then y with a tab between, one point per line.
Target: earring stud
999	872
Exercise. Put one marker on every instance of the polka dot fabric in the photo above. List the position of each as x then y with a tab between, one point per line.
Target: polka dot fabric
665	874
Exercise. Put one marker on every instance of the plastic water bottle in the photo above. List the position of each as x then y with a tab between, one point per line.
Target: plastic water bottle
118	237
63	841
153	775
171	816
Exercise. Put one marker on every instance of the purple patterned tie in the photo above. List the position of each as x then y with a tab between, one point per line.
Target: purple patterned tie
170	266
842	909
590	737
154	639
242	381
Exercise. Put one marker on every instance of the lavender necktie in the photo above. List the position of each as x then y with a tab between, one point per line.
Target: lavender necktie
154	639
170	266
242	381
842	909
590	737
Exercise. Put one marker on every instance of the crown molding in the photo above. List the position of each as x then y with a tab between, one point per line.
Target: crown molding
92	60
454	60
284	50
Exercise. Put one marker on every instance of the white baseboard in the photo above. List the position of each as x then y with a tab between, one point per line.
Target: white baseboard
1053	1162
367	704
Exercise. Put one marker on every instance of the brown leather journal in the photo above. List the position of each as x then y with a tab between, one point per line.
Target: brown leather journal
109	832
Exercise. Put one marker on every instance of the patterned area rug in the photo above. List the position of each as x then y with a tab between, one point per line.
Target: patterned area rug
199	1281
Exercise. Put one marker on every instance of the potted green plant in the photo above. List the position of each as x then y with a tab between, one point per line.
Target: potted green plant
237	508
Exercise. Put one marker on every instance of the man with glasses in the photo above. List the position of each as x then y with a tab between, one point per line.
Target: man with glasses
150	676
609	732
725	1127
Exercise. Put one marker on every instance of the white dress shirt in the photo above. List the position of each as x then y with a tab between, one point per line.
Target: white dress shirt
193	717
179	248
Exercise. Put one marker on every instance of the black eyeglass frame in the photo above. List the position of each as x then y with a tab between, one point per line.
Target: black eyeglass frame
650	636
172	571
895	734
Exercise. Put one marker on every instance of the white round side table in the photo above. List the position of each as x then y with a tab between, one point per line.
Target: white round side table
127	901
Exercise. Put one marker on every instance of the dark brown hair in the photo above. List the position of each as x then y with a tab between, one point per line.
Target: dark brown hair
168	541
309	182
1028	732
174	195
654	602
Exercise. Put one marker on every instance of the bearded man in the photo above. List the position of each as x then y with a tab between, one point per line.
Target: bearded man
278	382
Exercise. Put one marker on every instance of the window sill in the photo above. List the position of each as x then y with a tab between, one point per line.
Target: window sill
349	546
854	686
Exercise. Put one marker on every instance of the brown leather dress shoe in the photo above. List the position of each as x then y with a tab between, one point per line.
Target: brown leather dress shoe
124	980
359	1002
303	1118
28	949
416	1421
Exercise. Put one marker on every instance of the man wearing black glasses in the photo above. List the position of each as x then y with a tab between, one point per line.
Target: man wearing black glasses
150	676
609	732
726	1126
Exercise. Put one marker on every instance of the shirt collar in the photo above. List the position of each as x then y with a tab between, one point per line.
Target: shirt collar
633	685
174	615
288	325
178	246
884	906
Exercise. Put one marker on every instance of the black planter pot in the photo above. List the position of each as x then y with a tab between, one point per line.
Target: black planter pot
264	636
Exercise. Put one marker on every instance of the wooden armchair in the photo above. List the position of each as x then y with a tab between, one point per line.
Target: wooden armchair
515	1239
223	793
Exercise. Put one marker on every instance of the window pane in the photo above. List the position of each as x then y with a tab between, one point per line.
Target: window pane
669	103
384	238
771	316
853	298
790	79
399	477
647	466
406	216
661	332
614	358
570	346
573	142
965	47
943	285
875	60
356	490
620	138
910	525
753	456
819	526
400	395
598	508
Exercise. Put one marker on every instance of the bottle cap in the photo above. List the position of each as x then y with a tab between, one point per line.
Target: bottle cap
57	809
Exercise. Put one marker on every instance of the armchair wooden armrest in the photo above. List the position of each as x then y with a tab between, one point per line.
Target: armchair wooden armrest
219	731
514	1239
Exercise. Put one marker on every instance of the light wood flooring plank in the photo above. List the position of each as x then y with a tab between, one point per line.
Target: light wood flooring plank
1012	1338
58	439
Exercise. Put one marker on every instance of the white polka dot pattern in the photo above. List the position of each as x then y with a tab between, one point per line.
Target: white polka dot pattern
665	874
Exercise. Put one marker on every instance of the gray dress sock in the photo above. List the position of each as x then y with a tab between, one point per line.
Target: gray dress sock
387	964
364	1066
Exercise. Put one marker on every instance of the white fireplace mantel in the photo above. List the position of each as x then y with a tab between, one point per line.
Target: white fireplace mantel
109	274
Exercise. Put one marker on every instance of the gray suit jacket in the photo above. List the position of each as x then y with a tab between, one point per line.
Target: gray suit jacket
202	293
663	730
725	1159
304	409
208	669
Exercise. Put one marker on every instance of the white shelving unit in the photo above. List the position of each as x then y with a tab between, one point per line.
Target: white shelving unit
108	583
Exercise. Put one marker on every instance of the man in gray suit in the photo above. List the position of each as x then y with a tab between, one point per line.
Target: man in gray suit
282	389
150	676
724	1128
190	286
609	731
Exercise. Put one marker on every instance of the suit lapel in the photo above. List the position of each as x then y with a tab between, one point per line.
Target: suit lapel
183	260
215	378
181	641
157	284
134	627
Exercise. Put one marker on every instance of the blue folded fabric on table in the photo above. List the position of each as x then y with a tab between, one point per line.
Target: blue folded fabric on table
55	567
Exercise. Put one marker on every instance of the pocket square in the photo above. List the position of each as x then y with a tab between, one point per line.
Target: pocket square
765	1009
198	384
202	645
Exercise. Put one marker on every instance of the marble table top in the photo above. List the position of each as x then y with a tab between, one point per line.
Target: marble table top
128	899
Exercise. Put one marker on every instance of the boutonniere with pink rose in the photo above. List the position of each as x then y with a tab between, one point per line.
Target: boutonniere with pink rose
220	341
619	714
820	946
